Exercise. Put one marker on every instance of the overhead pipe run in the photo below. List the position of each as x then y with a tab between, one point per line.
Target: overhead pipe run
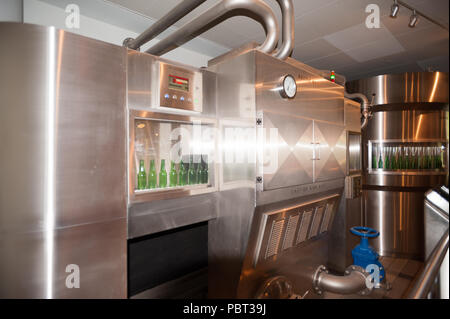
365	106
225	9
287	30
162	24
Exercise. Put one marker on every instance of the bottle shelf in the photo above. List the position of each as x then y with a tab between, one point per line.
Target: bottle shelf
171	188
407	158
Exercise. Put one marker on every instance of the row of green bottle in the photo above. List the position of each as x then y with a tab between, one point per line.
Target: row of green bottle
195	174
407	157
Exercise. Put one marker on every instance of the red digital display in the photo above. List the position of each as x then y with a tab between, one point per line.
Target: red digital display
178	83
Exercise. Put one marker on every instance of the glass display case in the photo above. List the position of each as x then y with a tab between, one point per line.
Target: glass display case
170	156
400	157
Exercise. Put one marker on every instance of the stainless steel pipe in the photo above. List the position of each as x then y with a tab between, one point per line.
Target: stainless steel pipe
365	106
225	9
425	280
162	24
354	281
287	29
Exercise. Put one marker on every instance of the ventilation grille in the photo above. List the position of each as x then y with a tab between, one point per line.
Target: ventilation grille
275	237
304	226
290	232
326	224
286	228
316	221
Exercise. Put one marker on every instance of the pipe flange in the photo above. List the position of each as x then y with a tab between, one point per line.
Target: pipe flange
363	272
316	279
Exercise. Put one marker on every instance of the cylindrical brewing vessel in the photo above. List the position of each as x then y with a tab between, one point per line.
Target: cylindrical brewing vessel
404	154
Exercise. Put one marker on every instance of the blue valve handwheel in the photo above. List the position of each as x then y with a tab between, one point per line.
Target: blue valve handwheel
364	231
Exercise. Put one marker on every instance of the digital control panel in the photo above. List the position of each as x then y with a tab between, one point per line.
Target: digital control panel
180	88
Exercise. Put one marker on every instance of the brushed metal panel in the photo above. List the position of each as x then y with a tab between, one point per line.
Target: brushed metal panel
409	87
317	98
99	249
413	125
140	73
294	150
160	215
23	88
89	127
352	115
63	130
399	217
91	131
229	232
23	265
330	151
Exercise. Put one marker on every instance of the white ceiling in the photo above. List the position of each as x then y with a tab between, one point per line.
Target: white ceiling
331	34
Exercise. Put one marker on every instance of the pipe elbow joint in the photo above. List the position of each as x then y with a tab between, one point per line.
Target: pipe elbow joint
352	282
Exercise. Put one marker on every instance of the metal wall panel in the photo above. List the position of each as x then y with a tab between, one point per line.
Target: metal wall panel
62	126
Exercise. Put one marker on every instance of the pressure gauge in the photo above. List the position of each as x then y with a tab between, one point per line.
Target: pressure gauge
289	87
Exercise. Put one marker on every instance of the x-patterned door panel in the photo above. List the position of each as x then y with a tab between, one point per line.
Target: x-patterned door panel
330	144
288	151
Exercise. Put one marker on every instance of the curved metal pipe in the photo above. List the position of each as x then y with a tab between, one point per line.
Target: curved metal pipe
225	9
354	281
287	29
365	106
162	24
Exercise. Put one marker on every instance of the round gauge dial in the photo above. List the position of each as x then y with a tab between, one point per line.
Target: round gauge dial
289	88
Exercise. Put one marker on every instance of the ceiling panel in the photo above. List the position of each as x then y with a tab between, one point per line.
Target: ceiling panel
330	34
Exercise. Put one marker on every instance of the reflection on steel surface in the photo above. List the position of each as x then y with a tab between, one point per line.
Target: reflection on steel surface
410	118
64	175
404	88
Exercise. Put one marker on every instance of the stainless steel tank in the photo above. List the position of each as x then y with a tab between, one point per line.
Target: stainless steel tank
405	152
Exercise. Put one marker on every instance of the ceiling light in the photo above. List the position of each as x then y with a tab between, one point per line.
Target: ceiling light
394	9
413	20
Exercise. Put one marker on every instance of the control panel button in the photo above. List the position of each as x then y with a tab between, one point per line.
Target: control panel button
174	97
182	98
167	96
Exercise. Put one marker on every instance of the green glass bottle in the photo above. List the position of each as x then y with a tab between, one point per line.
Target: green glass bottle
412	159
419	158
439	159
394	158
141	177
387	164
199	173
173	175
374	157
192	174
405	164
380	160
152	177
183	176
205	174
163	175
429	158
400	158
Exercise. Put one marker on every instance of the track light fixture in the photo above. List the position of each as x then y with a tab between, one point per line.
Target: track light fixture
413	19
394	9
